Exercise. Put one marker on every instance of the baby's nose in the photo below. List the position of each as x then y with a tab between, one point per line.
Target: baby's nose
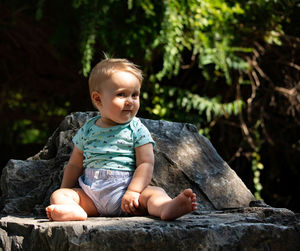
129	100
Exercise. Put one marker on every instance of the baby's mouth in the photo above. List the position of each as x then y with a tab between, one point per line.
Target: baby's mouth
127	110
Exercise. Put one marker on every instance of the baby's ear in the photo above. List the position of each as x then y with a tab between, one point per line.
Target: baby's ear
96	98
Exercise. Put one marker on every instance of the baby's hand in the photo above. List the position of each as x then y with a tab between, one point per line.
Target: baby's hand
130	202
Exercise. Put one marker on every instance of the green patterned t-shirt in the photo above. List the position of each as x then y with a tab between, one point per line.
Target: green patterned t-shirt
111	148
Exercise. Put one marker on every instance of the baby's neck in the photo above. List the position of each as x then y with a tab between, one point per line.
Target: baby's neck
105	123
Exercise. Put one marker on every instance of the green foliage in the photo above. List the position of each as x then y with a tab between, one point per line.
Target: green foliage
27	134
116	27
212	30
257	167
170	98
27	131
39	10
204	27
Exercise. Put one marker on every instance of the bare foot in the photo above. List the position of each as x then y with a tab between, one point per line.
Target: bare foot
58	212
183	204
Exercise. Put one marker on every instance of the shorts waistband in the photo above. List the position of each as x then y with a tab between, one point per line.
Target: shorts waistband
100	173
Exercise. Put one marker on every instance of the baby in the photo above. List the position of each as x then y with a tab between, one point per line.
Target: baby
113	156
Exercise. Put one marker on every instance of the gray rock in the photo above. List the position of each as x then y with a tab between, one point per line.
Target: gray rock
242	229
183	158
224	220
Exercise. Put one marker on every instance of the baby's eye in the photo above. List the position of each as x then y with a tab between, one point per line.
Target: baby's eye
121	94
135	95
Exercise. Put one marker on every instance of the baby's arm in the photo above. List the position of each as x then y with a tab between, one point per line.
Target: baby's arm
141	178
73	169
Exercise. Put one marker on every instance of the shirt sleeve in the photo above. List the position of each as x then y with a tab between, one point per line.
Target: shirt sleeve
79	138
142	135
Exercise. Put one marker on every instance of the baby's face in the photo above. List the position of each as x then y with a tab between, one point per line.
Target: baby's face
120	98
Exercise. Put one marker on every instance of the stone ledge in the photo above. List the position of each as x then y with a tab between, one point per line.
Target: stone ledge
228	216
238	229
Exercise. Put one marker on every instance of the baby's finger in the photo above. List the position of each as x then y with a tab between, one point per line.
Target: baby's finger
127	209
136	202
123	207
132	208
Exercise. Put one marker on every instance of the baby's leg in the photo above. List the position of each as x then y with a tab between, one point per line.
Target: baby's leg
159	204
70	205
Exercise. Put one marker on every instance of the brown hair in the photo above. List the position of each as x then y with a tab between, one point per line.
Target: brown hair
105	68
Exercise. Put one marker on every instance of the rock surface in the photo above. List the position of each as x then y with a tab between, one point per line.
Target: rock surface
223	221
183	158
242	229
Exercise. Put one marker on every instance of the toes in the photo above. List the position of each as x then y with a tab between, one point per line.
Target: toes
193	198
49	216
49	210
189	193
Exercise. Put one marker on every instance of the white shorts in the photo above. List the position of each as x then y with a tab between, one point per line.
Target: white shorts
106	189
